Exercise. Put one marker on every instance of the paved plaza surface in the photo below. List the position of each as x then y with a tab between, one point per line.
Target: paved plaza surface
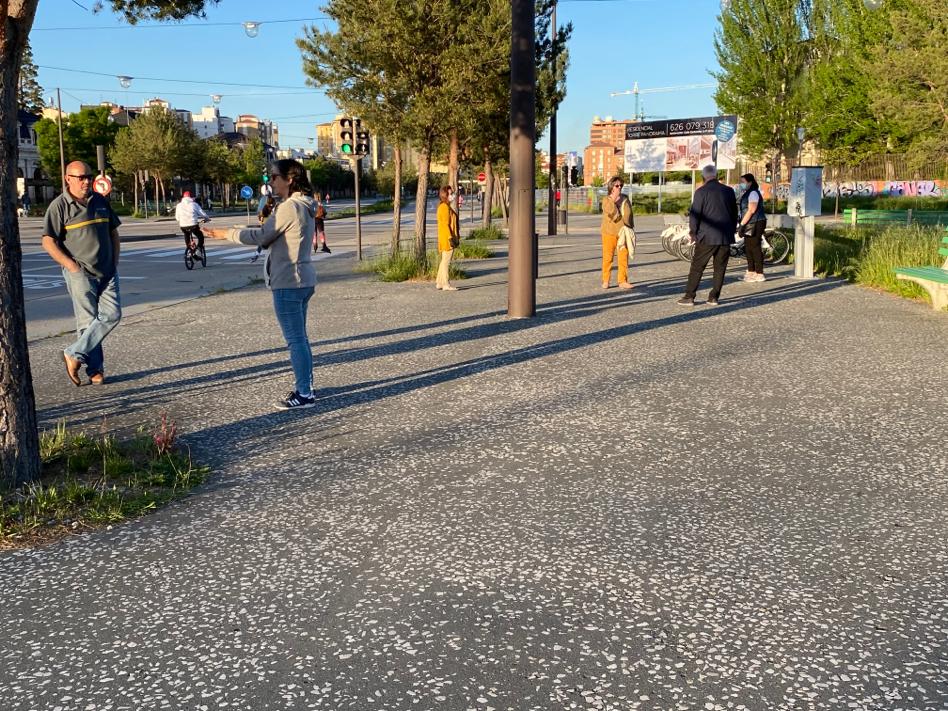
619	504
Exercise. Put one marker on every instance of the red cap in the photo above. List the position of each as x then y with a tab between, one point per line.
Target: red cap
187	193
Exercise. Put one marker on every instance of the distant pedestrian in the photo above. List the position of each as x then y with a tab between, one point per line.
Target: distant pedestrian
713	220
449	237
26	201
616	214
288	268
190	215
81	234
320	237
753	223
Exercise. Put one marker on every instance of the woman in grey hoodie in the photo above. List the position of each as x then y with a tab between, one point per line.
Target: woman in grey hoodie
288	268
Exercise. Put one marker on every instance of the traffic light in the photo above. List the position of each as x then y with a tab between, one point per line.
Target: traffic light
573	175
361	139
345	137
266	178
769	174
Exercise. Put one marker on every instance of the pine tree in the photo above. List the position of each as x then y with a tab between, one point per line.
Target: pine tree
29	92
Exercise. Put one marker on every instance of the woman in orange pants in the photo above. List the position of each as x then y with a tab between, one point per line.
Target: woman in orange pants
616	214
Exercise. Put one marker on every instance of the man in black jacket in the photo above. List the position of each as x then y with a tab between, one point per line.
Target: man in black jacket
713	218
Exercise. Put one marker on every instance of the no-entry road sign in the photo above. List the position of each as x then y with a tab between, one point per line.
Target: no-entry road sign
482	178
102	185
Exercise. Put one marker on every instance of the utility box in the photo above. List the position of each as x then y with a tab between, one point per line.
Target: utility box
806	191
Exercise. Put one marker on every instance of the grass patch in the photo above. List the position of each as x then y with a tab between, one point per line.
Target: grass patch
868	255
486	233
375	207
89	481
472	250
403	266
898	247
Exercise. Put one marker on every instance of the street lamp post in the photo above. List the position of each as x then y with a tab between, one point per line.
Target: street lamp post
521	285
551	197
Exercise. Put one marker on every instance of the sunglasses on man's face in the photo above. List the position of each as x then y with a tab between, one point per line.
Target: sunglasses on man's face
80	177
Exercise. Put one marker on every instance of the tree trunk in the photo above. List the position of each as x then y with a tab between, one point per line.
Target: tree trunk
135	183
421	203
453	168
504	197
397	199
487	201
19	439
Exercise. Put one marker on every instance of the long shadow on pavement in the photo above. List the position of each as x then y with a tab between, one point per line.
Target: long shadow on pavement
229	438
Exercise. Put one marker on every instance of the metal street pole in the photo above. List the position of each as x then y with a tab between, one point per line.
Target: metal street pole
521	286
551	200
356	165
59	123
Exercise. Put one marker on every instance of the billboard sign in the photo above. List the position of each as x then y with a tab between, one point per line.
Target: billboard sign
681	144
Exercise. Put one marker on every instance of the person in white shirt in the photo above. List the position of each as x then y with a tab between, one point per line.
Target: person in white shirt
190	216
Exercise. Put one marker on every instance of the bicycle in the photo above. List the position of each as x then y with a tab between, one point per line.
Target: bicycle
194	252
775	245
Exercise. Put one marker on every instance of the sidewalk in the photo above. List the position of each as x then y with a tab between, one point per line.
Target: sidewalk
619	504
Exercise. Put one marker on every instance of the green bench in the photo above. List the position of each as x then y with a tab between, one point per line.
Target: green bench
933	279
858	216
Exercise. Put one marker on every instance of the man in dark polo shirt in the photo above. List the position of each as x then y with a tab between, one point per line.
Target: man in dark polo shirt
81	234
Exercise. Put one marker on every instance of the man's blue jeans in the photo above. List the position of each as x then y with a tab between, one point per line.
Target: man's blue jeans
95	301
290	306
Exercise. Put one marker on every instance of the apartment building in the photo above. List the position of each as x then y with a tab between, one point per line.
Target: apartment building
605	154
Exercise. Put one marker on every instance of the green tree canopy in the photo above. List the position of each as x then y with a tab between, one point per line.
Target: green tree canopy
82	132
763	49
29	91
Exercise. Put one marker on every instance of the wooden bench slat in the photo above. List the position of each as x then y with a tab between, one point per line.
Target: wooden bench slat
935	274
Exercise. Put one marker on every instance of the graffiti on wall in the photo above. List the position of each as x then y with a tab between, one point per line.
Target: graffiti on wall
870	188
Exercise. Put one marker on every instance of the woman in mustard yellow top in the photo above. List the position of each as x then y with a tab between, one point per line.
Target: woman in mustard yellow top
449	236
616	214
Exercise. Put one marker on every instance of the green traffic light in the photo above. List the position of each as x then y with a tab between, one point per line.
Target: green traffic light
346	148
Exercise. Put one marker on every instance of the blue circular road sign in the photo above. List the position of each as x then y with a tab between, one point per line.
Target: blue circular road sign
246	192
725	131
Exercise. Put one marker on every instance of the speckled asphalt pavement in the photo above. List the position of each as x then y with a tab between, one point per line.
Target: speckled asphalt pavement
620	504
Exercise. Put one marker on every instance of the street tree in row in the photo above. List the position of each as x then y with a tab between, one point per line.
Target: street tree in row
763	50
82	132
157	143
19	439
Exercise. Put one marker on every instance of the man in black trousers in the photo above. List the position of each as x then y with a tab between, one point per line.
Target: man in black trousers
713	218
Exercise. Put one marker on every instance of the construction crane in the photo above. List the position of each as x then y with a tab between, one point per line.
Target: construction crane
636	92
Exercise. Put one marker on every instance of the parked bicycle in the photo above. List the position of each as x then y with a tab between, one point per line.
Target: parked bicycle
775	245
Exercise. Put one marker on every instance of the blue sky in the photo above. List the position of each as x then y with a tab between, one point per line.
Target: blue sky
615	42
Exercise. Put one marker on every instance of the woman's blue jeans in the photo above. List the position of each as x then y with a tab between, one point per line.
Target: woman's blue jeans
290	306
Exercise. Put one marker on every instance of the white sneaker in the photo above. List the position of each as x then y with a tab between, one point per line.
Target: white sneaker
749	276
759	277
449	288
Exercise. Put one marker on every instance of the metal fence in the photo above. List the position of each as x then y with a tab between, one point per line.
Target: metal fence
885	167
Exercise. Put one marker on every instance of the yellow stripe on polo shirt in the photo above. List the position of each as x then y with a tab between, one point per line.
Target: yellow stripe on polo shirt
96	221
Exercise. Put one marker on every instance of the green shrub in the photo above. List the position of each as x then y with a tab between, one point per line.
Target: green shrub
404	266
486	233
472	250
